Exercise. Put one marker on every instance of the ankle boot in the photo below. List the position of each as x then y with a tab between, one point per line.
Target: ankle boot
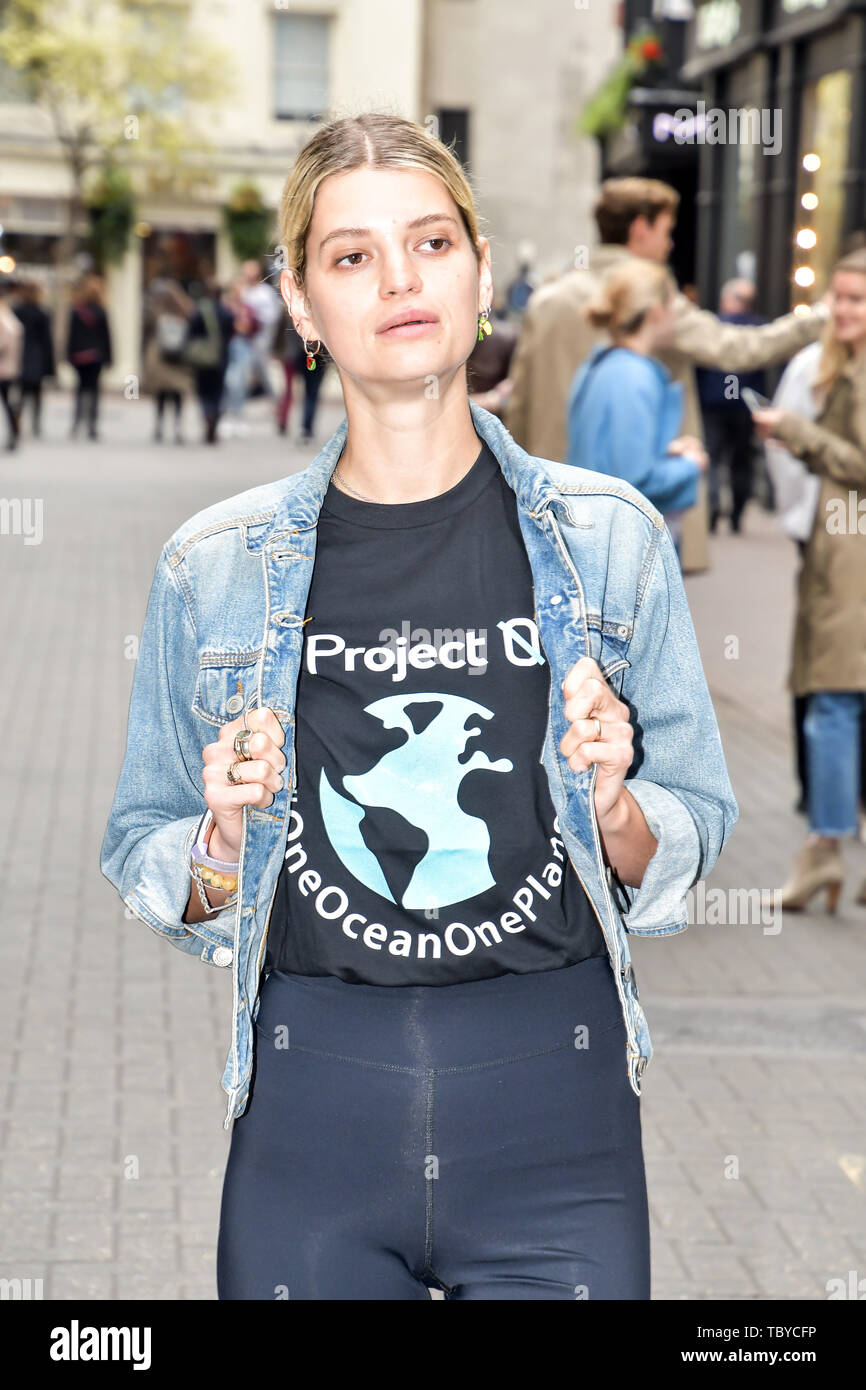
815	866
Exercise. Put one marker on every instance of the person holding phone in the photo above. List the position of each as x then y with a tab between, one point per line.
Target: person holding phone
829	649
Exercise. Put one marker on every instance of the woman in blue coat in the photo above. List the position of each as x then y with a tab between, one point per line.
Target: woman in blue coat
624	411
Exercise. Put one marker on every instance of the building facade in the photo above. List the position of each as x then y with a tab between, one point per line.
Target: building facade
503	81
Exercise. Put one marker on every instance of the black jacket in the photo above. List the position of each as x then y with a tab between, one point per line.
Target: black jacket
89	337
37	357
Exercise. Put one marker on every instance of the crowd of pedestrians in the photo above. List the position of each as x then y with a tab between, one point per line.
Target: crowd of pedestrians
219	344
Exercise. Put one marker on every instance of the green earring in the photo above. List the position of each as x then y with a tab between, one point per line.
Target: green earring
485	327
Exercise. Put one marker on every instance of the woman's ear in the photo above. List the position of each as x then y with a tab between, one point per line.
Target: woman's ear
295	301
485	275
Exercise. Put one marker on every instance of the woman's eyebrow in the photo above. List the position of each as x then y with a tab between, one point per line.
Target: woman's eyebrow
365	231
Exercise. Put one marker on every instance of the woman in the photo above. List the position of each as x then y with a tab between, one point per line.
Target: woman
88	350
430	949
624	411
829	651
289	352
242	353
206	352
11	348
37	360
295	359
168	310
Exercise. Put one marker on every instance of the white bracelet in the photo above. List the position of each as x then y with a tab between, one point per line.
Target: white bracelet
202	841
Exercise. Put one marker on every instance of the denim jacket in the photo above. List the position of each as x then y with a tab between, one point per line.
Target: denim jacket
223	633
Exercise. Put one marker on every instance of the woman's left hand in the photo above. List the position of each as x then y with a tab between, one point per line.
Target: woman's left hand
588	697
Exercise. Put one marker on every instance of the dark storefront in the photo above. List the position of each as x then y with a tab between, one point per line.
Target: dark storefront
645	146
786	76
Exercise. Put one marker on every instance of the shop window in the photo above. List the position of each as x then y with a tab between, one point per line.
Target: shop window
739	200
300	68
822	159
454	126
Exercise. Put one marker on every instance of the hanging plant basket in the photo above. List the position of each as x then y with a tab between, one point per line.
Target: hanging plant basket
247	221
110	207
606	112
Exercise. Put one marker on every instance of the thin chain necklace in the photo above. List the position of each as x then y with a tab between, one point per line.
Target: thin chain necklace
344	484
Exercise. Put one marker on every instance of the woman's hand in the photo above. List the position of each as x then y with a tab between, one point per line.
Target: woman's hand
589	697
692	447
627	841
765	421
261	778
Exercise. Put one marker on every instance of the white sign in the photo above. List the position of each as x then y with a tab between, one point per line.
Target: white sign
717	23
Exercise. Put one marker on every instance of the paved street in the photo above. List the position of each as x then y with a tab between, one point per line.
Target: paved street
112	1143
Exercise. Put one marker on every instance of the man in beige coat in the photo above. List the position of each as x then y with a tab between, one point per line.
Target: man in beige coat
635	217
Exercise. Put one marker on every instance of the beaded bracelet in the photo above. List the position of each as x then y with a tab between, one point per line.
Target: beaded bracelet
196	875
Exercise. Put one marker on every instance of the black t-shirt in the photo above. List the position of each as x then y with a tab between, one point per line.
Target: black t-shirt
423	844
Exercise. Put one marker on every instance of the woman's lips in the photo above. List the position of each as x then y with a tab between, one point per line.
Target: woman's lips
409	330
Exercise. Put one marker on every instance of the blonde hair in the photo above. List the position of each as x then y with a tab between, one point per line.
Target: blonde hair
834	354
626	294
372	140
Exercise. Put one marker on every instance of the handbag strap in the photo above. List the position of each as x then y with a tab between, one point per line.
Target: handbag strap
208	313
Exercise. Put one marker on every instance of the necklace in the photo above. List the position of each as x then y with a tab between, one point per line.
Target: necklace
360	495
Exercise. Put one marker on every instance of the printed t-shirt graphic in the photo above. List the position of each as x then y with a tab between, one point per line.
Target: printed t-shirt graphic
423	845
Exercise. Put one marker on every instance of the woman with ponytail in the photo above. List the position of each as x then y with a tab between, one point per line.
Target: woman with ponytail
624	411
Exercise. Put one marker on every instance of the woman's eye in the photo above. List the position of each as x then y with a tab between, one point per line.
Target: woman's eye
446	241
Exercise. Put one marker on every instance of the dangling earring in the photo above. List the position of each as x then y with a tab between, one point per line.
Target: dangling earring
484	325
311	356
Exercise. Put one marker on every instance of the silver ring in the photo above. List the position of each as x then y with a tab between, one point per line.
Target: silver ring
232	776
242	745
597	723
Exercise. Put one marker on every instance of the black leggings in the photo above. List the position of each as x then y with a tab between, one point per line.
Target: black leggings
480	1138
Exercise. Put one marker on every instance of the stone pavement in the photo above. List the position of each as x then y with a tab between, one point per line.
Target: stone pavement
111	1135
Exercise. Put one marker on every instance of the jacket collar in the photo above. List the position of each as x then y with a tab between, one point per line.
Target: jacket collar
298	509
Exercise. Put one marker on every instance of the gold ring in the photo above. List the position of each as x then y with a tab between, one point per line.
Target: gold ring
232	776
597	722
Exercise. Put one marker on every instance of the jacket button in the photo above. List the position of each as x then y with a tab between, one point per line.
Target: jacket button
628	972
622	631
234	704
640	1066
223	955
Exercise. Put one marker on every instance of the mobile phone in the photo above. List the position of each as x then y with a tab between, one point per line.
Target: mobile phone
754	400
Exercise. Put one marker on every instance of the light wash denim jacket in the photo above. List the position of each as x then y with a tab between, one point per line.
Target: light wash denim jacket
223	633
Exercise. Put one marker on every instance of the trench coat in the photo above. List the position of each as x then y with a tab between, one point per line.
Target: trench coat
829	647
555	338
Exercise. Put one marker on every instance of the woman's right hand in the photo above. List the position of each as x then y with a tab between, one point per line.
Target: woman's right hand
690	447
262	778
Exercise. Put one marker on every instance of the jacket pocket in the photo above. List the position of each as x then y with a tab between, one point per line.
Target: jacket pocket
225	685
608	642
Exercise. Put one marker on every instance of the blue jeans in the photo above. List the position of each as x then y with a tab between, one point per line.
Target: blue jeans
241	355
471	1137
832	730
